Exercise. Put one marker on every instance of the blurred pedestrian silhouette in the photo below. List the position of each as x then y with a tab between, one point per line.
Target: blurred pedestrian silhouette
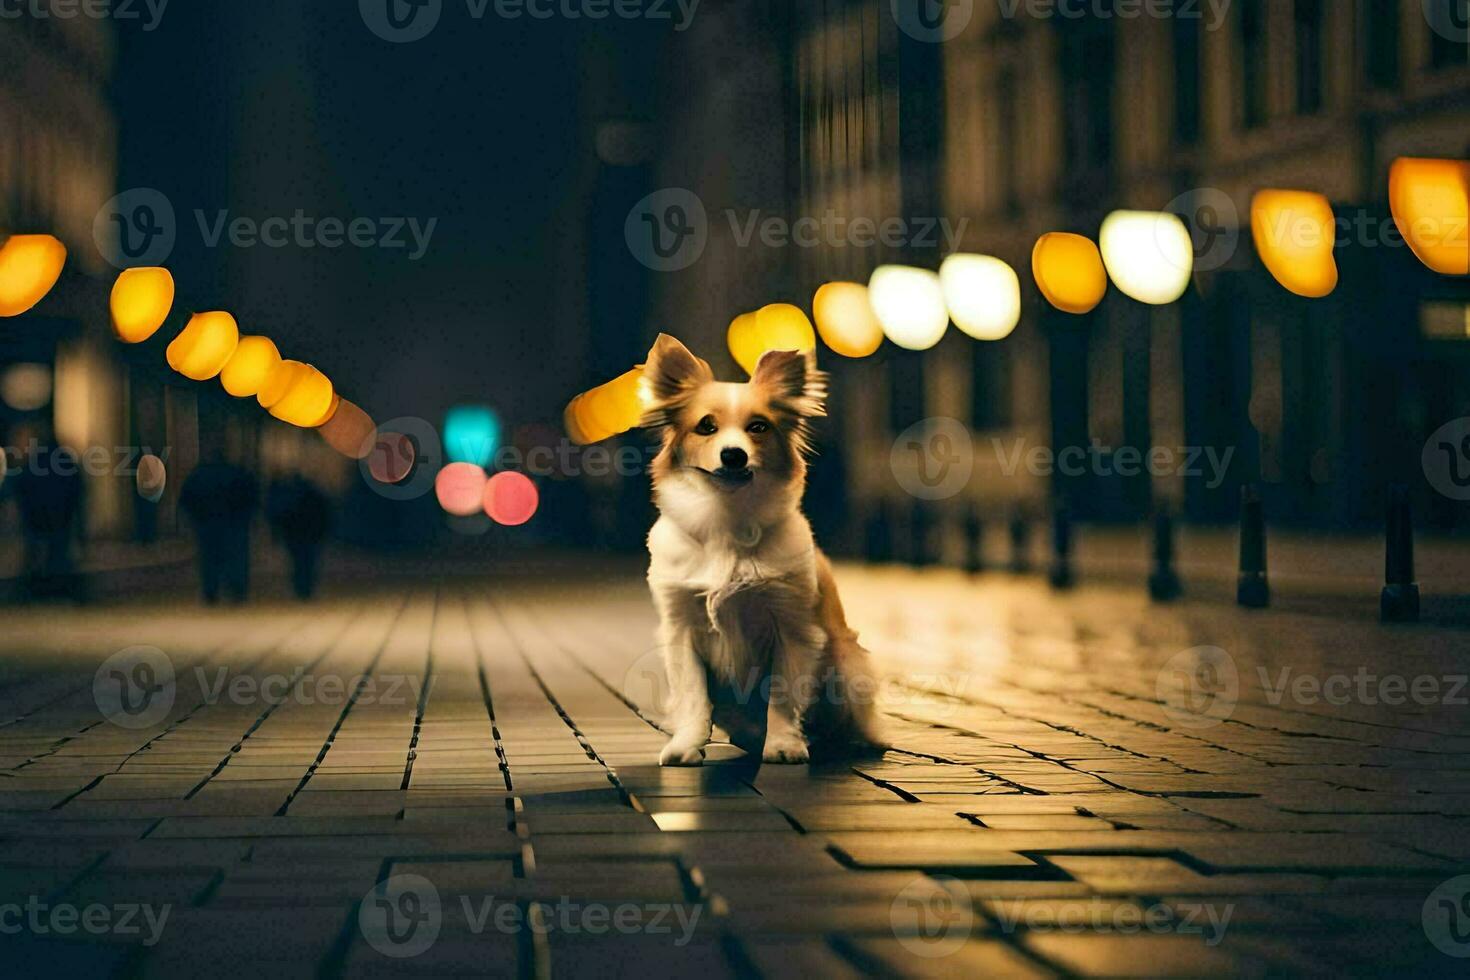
300	513
48	491
220	499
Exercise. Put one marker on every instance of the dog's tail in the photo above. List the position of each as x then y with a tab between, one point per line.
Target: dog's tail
857	685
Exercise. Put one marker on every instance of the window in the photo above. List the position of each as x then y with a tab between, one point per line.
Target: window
1253	66
1309	60
1380	25
1449	22
1186	80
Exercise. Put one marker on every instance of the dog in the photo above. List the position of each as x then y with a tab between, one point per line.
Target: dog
741	589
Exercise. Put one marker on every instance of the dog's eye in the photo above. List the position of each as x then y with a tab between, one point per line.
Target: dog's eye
758	427
706	426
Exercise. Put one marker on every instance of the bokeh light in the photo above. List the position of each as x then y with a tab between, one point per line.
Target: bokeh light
778	326
607	410
1069	272
29	267
26	387
1148	254
248	369
909	304
983	295
1430	200
1294	232
350	430
471	434
845	319
152	478
141	300
391	458
205	346
511	498
460	488
297	393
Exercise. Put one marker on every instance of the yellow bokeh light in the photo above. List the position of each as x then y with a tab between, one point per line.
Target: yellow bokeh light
250	366
845	319
909	304
1148	254
1294	232
1431	206
141	301
299	394
1069	272
983	295
29	267
607	410
205	346
779	326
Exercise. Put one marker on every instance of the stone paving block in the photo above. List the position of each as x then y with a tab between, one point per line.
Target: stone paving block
977	957
1113	955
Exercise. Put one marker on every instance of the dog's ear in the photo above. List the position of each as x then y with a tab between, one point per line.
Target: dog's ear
670	374
793	382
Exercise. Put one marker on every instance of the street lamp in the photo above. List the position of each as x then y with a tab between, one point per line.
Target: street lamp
1430	200
1069	272
982	294
29	267
204	347
909	304
845	319
779	326
1294	233
141	301
1148	254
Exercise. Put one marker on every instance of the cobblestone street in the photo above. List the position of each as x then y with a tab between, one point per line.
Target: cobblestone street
460	778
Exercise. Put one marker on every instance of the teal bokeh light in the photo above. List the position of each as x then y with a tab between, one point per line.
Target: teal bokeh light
471	434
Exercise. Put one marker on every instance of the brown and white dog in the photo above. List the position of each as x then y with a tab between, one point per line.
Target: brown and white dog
740	586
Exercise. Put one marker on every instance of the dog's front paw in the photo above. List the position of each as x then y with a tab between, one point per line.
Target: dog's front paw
681	752
785	748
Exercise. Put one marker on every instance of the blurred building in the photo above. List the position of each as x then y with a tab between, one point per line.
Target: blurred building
1043	117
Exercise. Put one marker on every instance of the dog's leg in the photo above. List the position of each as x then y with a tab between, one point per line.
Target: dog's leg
689	715
792	686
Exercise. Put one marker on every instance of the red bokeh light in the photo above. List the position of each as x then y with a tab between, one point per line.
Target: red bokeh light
460	488
511	498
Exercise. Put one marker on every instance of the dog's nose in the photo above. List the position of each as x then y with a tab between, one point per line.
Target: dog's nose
733	458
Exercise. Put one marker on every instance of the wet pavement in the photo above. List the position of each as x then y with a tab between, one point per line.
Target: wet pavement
456	776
